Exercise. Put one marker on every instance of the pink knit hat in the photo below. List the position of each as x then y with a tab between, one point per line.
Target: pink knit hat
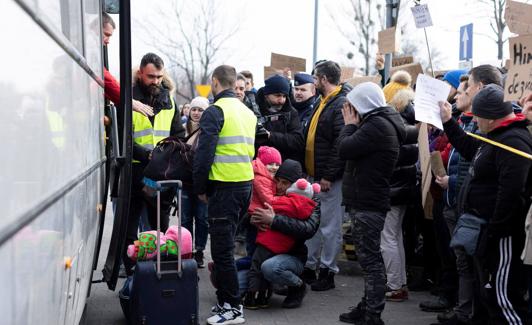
269	155
303	187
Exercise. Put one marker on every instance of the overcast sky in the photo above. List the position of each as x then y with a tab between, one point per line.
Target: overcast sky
286	26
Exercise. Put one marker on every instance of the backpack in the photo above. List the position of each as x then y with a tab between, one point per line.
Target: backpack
171	159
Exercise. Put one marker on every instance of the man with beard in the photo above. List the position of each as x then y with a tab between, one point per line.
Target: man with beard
325	166
153	88
280	119
305	98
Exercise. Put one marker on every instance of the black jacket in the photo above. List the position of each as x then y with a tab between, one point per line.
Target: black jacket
300	230
372	150
498	185
403	182
286	134
327	163
305	110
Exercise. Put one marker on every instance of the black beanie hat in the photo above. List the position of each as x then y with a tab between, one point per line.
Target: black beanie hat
276	85
489	103
290	170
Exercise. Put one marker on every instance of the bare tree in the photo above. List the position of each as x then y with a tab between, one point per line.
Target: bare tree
365	20
497	23
418	49
192	37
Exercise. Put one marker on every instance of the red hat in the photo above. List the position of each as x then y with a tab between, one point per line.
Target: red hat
269	155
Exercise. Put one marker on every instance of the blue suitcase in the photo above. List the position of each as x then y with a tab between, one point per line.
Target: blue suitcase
165	292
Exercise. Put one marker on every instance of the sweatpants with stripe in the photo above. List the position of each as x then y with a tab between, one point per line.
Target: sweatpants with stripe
502	280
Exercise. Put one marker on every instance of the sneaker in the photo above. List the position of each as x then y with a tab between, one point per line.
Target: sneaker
198	256
227	315
216	309
355	314
308	275
324	282
250	300
396	295
295	296
263	299
440	305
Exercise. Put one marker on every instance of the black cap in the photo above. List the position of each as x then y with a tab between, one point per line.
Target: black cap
302	79
489	103
276	85
290	170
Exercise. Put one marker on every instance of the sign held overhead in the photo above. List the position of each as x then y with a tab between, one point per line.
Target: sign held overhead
388	41
295	64
518	17
422	16
519	78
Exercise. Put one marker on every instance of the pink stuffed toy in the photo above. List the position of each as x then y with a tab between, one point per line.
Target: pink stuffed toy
172	242
145	248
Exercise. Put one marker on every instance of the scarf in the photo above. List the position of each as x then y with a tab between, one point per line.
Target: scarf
311	136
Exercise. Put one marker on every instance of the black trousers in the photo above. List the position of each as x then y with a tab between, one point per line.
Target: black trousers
227	204
256	281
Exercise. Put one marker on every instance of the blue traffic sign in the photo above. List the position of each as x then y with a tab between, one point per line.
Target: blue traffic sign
466	42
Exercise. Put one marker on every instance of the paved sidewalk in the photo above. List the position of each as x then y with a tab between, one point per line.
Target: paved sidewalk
103	307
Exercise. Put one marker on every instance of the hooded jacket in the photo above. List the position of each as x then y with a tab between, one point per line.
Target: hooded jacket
286	133
327	163
291	205
497	187
371	150
263	186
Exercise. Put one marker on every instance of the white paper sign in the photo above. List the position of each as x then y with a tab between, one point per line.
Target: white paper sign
422	16
429	92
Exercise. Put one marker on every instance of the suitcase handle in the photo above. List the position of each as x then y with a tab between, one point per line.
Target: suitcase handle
165	184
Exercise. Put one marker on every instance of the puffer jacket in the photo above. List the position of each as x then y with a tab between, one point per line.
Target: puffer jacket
263	187
403	182
327	163
300	230
286	133
372	150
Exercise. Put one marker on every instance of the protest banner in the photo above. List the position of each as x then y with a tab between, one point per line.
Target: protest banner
347	73
436	164
414	69
519	78
295	64
397	61
388	40
518	17
270	71
358	80
422	16
424	161
429	92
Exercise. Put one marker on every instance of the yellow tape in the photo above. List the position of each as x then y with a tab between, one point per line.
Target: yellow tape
500	145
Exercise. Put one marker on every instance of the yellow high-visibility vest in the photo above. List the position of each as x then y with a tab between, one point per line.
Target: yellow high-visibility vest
57	128
147	135
236	143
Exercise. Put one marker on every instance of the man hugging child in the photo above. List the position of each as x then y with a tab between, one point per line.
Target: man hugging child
297	203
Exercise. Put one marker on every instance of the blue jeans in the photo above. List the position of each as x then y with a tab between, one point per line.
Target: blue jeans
227	204
283	269
195	214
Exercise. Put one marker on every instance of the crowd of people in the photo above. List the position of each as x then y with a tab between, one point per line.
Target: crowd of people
287	162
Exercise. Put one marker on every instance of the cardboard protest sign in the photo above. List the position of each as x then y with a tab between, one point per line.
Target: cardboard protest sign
270	71
422	16
358	80
281	61
414	69
519	79
429	92
388	40
347	73
518	17
436	164
424	161
397	61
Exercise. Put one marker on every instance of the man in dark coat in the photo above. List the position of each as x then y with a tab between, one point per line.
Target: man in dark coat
325	166
305	97
371	139
279	118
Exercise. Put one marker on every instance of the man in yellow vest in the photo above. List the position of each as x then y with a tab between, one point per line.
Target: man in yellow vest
151	87
222	176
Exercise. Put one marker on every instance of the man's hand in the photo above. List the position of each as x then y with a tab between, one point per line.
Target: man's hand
142	108
443	181
446	111
325	185
203	198
263	218
350	115
379	61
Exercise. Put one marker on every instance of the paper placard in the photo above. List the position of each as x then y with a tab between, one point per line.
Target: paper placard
518	17
429	92
347	73
422	16
358	80
519	78
388	41
436	164
281	61
424	162
402	60
414	69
